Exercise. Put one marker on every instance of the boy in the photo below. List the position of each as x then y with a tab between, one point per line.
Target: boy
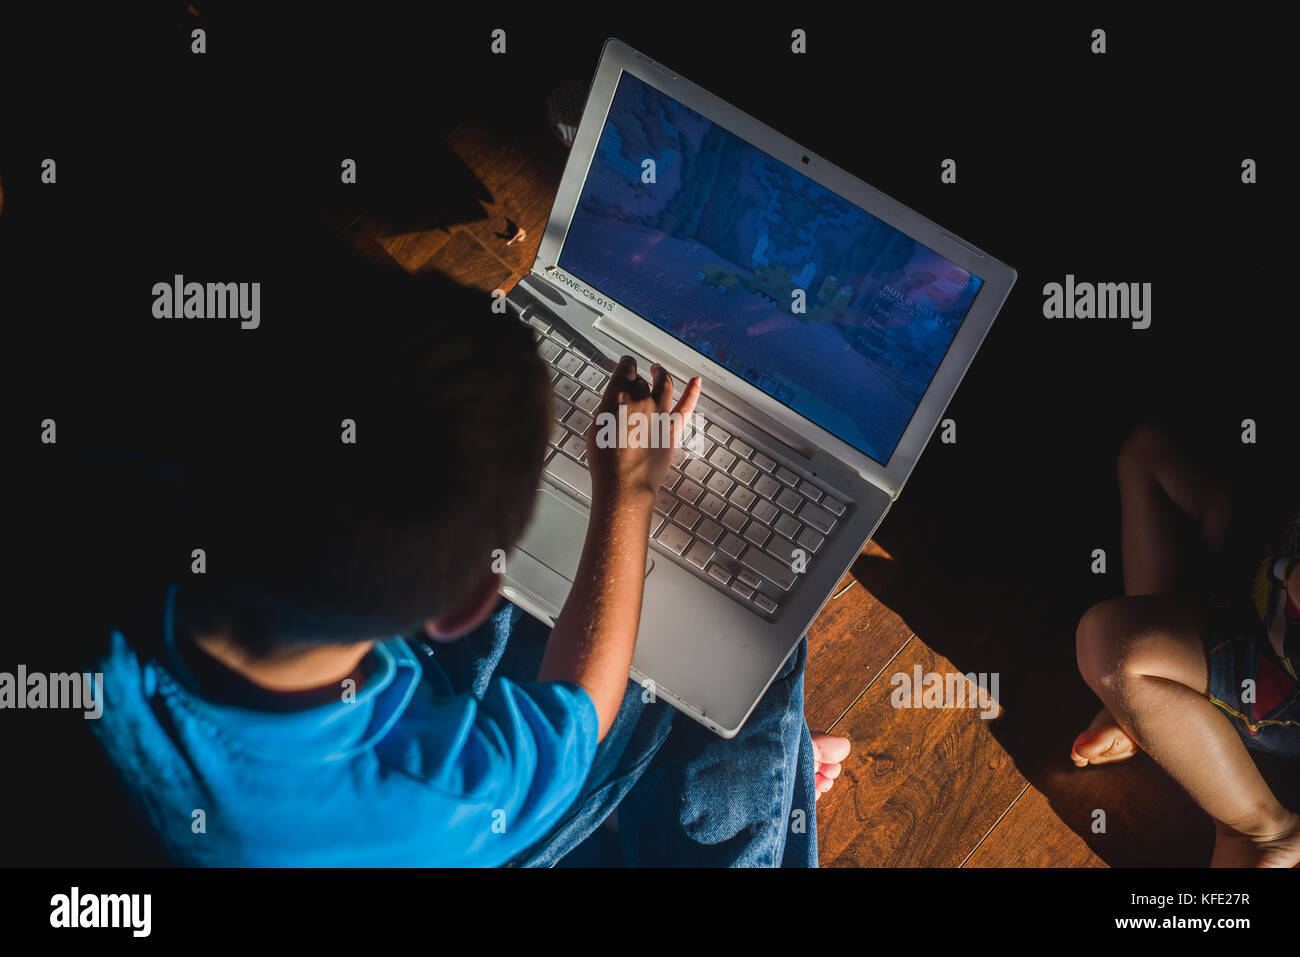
276	720
1171	672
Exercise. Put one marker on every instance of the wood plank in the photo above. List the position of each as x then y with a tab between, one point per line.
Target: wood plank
465	260
413	250
852	638
1031	834
921	787
521	168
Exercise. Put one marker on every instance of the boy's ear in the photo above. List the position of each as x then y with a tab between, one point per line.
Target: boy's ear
467	614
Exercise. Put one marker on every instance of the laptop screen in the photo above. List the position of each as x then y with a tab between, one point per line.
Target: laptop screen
829	310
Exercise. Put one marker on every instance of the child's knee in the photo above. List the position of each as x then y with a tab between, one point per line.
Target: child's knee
1138	456
1099	643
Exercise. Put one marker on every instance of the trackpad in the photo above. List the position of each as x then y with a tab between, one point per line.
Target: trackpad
556	533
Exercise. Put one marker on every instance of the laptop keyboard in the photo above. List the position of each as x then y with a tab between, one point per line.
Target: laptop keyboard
727	511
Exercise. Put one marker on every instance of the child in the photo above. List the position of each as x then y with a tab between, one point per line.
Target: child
1172	671
268	711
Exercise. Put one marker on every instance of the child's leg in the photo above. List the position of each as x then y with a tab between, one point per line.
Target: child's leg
1165	501
745	802
1145	659
1162	493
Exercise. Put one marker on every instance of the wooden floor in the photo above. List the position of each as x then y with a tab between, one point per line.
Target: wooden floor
922	787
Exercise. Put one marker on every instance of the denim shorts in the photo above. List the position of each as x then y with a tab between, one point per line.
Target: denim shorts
1233	658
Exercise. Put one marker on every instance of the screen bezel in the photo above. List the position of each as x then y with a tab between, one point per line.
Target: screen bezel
998	278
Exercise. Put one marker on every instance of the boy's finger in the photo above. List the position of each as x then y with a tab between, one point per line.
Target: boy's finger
690	396
621	382
685	406
626	368
661	387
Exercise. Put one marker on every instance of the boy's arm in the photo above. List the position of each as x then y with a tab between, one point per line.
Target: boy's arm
595	635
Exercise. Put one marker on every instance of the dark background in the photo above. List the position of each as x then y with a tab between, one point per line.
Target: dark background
1117	168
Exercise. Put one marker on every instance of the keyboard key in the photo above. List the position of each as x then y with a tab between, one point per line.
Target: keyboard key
768	567
744	473
812	491
765	604
699	445
697	470
741	449
550	351
810	540
574	446
719	484
560	336
568	472
742	590
708	531
578	421
731	545
587	402
722	459
712	505
763	462
767	486
718	433
679	457
592	378
787	526
686	517
734	519
742	497
553	374
765	512
566	389
749	578
699	554
689	492
560	409
670	480
673	538
821	520
789	499
570	364
783	550
583	349
832	506
539	325
718	573
656	523
664	502
558	432
757	533
786	476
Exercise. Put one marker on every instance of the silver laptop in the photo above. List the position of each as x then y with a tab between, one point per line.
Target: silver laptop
830	326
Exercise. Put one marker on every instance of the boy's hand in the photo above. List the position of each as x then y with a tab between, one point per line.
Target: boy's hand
618	469
595	635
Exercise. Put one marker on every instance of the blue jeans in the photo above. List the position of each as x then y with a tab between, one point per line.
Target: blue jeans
1233	659
685	797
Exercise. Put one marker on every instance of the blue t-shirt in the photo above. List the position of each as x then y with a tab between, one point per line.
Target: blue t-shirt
408	773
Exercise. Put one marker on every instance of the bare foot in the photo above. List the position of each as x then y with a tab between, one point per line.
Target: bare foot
1276	847
828	750
1102	742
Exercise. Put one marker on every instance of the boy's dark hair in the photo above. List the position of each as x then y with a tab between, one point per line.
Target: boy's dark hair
310	538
